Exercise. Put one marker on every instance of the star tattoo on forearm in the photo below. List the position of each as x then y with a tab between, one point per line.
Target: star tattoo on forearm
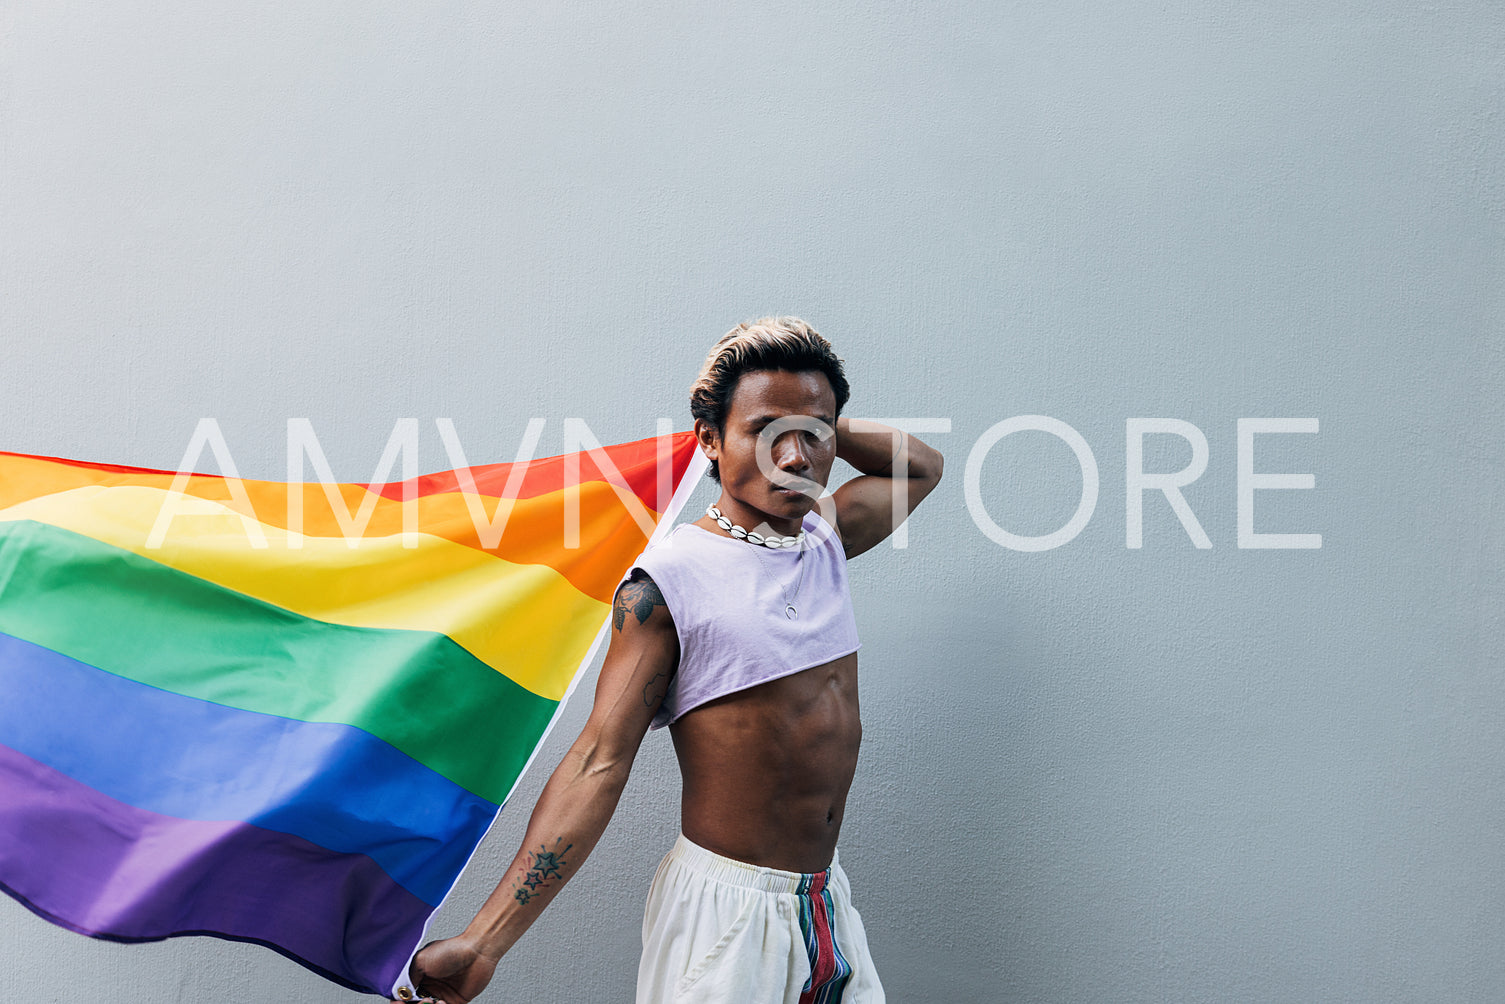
543	864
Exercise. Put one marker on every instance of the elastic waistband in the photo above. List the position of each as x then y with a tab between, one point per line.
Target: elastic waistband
734	872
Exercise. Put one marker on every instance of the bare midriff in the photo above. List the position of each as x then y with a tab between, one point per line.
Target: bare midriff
766	770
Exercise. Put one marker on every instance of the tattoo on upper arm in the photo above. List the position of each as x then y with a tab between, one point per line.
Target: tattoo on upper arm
542	866
638	595
655	690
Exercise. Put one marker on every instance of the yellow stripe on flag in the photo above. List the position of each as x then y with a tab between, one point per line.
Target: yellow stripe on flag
525	620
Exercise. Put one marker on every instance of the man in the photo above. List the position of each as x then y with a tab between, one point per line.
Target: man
736	631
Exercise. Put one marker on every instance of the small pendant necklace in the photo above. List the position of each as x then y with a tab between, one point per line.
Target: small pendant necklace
789	608
759	541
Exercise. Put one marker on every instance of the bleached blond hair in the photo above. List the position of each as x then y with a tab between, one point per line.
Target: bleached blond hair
769	343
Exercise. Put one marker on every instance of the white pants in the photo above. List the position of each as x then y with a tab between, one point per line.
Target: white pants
721	931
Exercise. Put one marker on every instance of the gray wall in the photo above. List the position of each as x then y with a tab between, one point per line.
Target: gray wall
1092	773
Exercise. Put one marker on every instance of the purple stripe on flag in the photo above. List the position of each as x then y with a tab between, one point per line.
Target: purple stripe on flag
109	870
334	785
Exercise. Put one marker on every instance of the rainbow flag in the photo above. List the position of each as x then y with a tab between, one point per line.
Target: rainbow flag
286	736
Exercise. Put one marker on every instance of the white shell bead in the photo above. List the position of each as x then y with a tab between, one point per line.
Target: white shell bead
755	537
737	532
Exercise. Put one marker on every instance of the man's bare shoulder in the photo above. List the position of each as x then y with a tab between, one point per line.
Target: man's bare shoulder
639	601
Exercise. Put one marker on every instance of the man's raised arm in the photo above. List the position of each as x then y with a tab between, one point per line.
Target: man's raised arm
898	471
576	804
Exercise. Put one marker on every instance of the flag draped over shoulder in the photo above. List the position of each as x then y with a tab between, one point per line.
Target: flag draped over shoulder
293	742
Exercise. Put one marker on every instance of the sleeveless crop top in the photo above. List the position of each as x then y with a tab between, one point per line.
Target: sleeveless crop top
728	608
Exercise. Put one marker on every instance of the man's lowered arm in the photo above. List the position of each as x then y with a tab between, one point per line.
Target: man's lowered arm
577	802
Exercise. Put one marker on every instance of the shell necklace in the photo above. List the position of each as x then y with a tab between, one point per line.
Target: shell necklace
752	536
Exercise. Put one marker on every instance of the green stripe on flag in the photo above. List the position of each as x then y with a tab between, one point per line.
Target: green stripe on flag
130	616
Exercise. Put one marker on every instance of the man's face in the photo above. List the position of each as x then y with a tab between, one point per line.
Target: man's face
760	398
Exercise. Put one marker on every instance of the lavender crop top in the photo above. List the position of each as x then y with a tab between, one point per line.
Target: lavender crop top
729	611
